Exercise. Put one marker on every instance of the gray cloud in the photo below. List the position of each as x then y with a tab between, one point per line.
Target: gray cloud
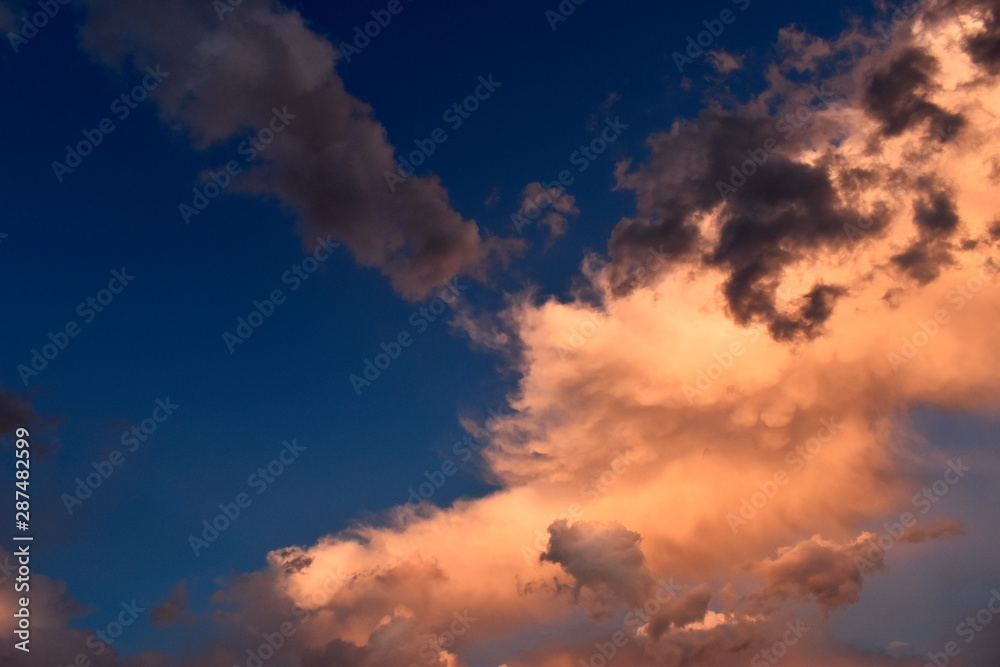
226	78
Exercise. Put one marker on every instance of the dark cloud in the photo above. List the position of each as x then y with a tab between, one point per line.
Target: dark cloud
897	96
769	219
679	181
935	215
682	611
816	307
328	164
984	48
606	559
14	412
923	261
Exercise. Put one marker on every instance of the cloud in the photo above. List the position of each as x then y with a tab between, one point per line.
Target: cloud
897	95
537	199
928	531
172	610
725	62
764	346
52	609
225	80
605	559
15	412
817	570
761	370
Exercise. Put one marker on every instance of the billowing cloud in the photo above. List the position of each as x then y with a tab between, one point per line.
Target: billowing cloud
731	421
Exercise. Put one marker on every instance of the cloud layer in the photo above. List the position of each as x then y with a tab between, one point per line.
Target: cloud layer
692	460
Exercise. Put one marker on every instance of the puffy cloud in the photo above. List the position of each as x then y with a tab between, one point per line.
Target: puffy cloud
605	559
552	204
816	569
226	79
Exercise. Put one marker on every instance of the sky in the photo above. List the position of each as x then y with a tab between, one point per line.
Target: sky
525	334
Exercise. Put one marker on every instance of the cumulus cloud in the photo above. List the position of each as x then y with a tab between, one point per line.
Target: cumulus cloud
764	346
226	79
765	360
